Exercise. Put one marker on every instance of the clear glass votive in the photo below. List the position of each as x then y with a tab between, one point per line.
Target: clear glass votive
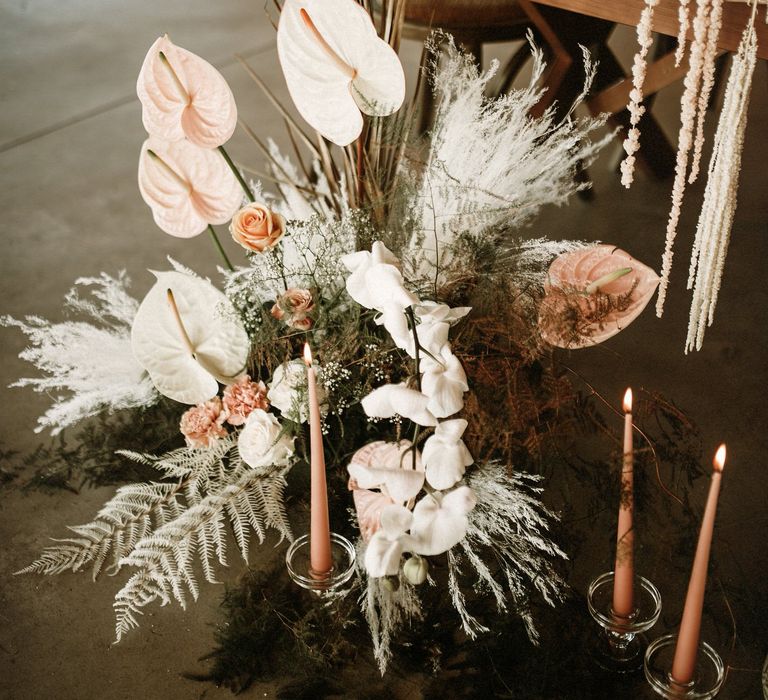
621	646
343	555
708	676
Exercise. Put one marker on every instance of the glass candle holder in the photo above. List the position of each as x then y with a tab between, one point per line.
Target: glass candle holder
343	555
621	646
708	676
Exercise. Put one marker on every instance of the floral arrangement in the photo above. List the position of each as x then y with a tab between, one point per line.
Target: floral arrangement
387	249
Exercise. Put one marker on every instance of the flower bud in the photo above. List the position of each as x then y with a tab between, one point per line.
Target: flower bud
415	570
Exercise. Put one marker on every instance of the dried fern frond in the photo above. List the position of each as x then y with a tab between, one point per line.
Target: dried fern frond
137	509
165	557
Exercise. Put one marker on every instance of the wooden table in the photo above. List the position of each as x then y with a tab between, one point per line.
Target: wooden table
735	15
564	25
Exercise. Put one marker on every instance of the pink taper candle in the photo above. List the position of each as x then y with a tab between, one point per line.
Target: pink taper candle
624	570
690	626
320	531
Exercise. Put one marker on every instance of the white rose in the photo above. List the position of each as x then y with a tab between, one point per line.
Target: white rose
288	390
260	443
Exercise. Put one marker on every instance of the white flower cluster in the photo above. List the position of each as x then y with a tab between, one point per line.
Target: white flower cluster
438	521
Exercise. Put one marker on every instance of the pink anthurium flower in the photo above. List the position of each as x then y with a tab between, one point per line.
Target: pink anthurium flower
593	293
183	96
336	66
187	187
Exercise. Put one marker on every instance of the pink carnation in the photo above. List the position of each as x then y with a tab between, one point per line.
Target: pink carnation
202	425
242	397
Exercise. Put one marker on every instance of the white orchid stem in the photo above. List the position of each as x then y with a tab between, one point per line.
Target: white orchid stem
181	180
607	279
343	66
417	365
182	330
185	96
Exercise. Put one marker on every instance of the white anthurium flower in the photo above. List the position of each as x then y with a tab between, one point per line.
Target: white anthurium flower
260	443
444	382
188	337
288	390
432	311
445	455
389	467
440	520
376	281
336	66
398	400
386	547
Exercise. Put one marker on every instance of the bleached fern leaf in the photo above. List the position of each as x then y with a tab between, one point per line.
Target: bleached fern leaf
165	558
88	366
489	165
119	525
143	588
206	466
508	527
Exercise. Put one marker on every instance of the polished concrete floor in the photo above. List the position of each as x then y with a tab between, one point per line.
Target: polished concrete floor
70	131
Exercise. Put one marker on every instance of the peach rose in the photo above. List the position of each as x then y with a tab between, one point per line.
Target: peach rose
294	308
202	425
257	228
242	397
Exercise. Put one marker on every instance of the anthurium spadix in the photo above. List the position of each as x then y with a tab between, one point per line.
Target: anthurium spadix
336	66
188	337
183	96
186	187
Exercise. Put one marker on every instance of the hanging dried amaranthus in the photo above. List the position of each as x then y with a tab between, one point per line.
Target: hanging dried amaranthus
635	106
714	228
702	52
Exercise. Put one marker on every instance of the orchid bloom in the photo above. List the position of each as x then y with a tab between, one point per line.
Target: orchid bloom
389	467
182	96
445	455
434	312
386	547
336	66
188	337
444	382
397	399
375	281
186	187
440	521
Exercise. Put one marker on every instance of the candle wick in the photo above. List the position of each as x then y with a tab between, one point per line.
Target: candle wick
343	66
